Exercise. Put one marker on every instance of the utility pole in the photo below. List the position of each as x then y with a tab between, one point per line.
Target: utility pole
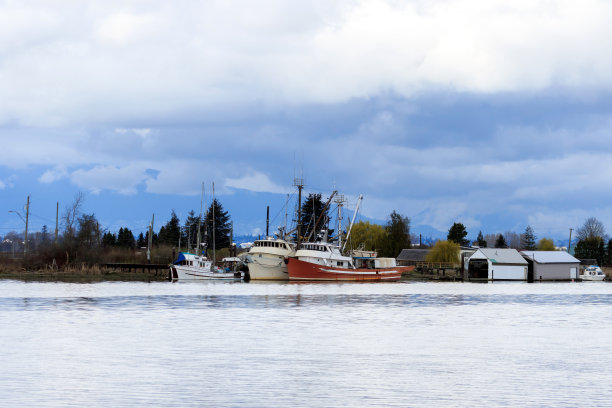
56	220
25	247
150	243
299	183
569	246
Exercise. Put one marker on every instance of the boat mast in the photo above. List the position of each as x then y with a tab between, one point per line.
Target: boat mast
352	220
340	201
213	223
286	209
299	183
198	249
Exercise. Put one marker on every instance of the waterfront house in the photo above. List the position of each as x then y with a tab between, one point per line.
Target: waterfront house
551	265
496	264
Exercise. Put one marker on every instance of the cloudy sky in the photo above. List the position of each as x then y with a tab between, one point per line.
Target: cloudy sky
491	113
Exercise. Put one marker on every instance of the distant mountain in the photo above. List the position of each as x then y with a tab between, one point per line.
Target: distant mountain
427	232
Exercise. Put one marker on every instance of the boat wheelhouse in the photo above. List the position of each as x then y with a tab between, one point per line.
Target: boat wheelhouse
267	259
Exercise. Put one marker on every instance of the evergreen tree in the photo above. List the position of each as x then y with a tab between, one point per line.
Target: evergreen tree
44	235
528	239
125	238
500	242
311	211
140	243
222	226
190	230
169	233
609	254
480	241
109	239
457	234
590	248
398	235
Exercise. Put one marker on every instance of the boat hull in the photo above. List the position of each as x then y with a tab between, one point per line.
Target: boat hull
179	272
307	271
268	269
592	277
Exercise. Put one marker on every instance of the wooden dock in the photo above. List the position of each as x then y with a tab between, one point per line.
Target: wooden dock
137	266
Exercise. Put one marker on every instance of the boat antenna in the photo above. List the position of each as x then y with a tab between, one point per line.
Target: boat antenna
267	221
348	234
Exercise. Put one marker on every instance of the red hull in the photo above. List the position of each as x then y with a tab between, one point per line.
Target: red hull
301	270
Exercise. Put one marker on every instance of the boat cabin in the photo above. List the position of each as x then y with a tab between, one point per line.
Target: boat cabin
268	243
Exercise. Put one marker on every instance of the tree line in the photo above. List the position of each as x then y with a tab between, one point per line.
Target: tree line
592	242
84	240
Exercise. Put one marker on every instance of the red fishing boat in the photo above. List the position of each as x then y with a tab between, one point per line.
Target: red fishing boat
322	261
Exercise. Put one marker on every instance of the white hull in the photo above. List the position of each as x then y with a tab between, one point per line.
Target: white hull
193	273
268	269
592	277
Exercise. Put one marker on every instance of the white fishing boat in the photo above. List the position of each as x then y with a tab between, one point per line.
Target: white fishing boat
189	266
592	273
267	259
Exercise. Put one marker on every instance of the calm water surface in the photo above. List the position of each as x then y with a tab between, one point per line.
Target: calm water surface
315	345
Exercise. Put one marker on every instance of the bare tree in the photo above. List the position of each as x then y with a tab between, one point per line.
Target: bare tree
491	238
592	228
71	215
512	239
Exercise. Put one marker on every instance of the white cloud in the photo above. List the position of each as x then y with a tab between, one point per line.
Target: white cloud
115	59
52	175
8	182
255	181
123	180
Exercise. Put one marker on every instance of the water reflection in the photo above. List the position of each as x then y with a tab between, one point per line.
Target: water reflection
278	345
294	300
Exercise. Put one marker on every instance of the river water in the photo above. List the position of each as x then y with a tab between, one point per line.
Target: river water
313	345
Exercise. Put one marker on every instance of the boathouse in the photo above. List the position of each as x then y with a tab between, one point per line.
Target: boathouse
410	257
551	265
496	264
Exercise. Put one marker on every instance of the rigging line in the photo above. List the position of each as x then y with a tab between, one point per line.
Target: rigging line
282	208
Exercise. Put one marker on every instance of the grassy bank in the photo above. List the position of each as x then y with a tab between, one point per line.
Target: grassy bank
83	273
55	264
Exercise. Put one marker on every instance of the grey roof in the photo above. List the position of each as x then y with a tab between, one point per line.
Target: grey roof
503	255
550	256
413	255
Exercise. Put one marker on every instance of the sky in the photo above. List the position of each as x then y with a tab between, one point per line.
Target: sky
491	113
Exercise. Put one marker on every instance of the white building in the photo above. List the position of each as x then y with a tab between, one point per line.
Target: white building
496	264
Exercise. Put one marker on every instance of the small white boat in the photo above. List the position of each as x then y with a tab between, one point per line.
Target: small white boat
194	267
592	273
